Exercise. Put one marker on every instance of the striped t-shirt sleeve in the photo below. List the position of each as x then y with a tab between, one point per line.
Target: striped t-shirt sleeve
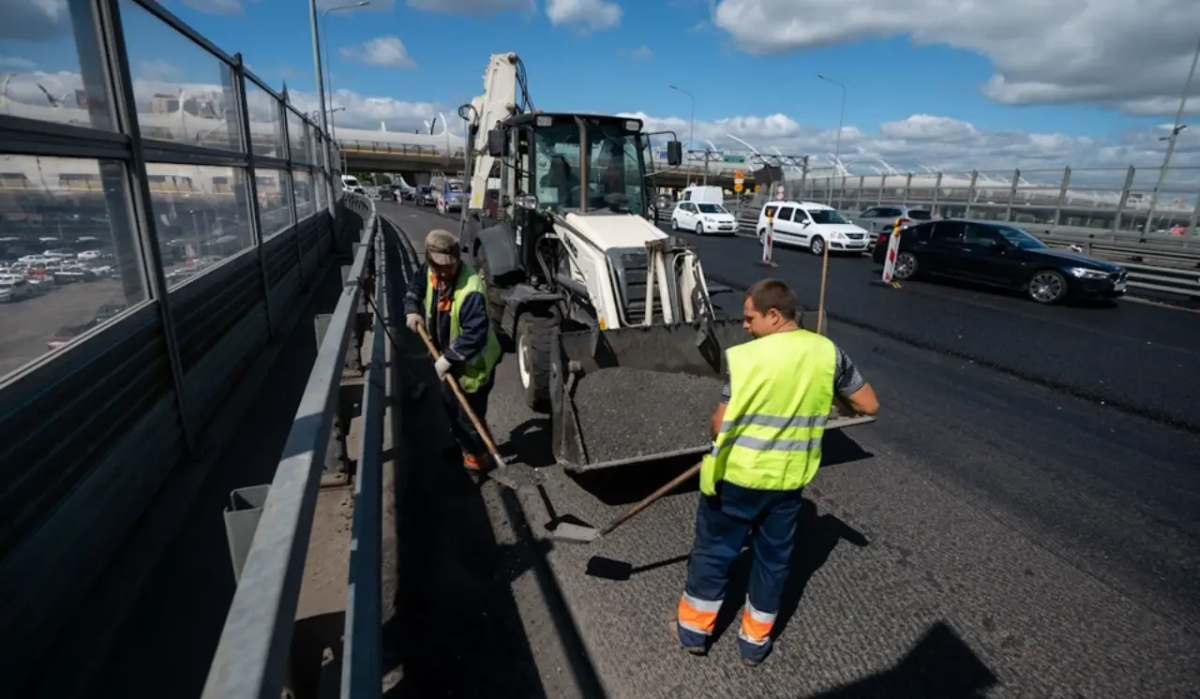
847	379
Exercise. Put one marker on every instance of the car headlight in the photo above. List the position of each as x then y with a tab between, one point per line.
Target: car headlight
1085	273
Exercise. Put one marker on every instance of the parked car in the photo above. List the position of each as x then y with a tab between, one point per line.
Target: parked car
812	225
878	219
703	217
1000	255
425	196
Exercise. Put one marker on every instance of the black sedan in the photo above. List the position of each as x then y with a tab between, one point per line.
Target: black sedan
1001	255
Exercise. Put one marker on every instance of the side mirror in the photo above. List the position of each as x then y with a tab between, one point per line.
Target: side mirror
674	153
497	143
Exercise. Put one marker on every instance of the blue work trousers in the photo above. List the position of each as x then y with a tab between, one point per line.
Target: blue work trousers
723	524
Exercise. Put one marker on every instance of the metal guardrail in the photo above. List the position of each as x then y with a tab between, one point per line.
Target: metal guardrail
1177	279
252	657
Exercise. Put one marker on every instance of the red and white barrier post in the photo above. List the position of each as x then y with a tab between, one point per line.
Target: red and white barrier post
889	263
766	251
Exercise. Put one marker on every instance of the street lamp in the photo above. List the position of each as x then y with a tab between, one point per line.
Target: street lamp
1175	131
837	147
692	127
325	31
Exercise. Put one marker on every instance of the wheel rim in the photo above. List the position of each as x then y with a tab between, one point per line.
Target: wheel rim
1045	286
905	264
699	229
818	246
522	360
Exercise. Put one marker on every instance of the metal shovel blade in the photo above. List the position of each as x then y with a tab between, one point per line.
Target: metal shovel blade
574	533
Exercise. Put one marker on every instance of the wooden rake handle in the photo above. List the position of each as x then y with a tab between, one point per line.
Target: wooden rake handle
462	400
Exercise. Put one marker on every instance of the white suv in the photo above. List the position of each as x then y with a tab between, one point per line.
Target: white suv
812	225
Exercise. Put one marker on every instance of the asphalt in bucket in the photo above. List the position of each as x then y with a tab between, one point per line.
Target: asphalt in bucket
637	414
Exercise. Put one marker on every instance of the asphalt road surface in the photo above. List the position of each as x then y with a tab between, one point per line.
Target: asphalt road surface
988	535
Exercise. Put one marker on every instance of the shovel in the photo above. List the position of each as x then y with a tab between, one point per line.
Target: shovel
582	534
498	474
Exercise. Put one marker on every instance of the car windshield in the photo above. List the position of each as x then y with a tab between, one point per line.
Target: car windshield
712	209
1019	238
350	181
826	216
425	189
455	186
613	166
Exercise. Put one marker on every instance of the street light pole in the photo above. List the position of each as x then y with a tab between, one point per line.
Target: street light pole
328	72
692	127
837	145
1175	131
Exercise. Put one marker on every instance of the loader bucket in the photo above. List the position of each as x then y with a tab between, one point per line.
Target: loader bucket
651	394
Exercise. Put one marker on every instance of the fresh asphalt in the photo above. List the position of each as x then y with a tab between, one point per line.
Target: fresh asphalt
1002	529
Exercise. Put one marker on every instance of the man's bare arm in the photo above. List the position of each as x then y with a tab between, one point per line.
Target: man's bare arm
718	416
861	402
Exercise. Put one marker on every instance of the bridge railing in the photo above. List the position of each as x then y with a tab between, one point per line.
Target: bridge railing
253	656
162	236
399	149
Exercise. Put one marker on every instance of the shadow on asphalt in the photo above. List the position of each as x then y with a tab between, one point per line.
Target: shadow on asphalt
816	538
458	629
941	664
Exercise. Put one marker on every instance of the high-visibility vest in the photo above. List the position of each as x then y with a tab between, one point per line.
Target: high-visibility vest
477	371
782	392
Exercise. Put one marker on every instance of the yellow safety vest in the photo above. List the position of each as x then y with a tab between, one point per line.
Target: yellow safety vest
476	372
782	392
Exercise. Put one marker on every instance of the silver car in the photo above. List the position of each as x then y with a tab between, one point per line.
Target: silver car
881	219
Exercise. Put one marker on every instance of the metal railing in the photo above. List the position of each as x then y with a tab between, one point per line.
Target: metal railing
399	149
1177	271
212	210
252	656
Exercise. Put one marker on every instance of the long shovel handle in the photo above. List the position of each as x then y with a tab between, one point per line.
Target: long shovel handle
649	499
462	400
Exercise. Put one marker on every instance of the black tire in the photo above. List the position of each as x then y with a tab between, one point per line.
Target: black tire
910	270
699	228
816	245
495	300
1047	286
534	330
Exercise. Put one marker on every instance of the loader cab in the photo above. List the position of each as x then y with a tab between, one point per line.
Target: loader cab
572	163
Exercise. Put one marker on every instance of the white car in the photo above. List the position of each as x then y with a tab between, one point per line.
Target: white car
812	225
702	218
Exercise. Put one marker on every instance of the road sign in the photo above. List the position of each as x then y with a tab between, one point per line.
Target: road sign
757	188
737	187
737	177
779	193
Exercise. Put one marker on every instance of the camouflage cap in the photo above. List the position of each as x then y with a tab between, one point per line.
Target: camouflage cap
441	247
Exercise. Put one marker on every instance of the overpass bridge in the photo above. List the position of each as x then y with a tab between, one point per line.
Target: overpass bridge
220	477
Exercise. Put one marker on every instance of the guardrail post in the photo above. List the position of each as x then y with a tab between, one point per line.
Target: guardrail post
1012	194
243	111
907	188
1062	196
971	193
1116	224
882	188
125	105
937	189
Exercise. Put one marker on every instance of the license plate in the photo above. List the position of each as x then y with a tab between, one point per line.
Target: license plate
1119	287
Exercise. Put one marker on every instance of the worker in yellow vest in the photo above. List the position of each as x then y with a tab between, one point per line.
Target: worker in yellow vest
452	301
767	432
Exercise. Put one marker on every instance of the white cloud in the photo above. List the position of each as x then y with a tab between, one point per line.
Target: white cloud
589	15
1132	56
952	146
474	7
384	51
641	53
218	7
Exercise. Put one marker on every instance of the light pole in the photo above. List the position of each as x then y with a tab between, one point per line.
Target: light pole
692	124
1175	131
325	31
837	144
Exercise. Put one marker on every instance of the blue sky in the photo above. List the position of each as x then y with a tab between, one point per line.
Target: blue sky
1025	77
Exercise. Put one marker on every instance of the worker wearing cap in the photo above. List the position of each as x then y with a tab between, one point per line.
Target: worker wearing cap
452	301
767	432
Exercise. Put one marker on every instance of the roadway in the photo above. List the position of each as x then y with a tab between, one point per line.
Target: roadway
988	531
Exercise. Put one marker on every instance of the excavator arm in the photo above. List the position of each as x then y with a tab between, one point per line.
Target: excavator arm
499	101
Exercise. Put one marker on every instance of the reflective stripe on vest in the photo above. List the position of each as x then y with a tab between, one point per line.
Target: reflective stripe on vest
476	372
782	392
